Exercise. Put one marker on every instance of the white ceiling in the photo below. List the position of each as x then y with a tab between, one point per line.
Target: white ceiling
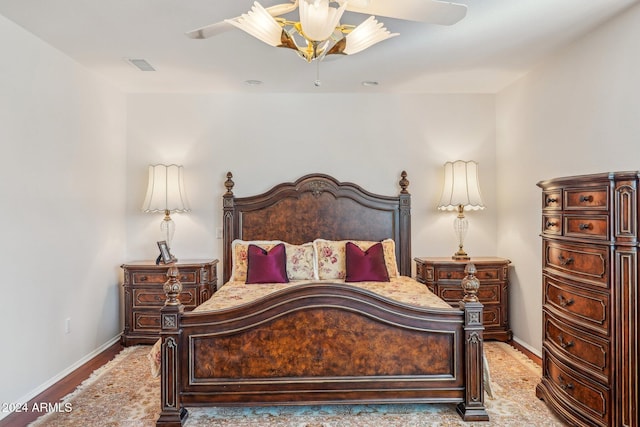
497	42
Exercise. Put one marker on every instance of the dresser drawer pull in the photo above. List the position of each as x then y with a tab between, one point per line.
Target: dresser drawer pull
565	302
183	278
585	199
448	275
565	261
143	278
564	344
587	226
551	224
552	200
566	386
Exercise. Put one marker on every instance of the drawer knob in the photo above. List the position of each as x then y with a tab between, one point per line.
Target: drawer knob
585	226
448	275
143	278
585	199
552	200
565	261
565	302
551	224
183	278
566	386
564	344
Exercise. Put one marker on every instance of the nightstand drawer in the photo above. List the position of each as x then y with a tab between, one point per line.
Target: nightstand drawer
155	297
483	273
160	277
146	321
487	294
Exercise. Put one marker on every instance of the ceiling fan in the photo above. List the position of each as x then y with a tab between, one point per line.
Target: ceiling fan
318	31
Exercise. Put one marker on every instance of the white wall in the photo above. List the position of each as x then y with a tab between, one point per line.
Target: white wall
578	113
265	139
62	186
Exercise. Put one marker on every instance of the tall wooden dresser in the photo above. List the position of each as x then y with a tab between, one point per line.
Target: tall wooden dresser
590	298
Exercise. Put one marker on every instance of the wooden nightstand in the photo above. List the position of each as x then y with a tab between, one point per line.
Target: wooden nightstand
144	296
443	276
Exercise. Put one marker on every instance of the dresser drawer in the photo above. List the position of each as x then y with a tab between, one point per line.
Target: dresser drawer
552	200
552	224
582	262
588	352
155	297
591	226
155	277
579	305
591	198
579	394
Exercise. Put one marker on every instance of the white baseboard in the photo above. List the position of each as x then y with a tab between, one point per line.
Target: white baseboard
33	393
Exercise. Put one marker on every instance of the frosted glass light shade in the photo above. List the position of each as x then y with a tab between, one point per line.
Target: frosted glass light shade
165	191
318	19
461	186
260	24
366	35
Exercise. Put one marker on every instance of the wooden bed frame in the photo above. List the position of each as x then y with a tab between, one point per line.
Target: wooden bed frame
320	343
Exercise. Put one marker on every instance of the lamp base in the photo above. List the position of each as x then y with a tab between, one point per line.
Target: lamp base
461	255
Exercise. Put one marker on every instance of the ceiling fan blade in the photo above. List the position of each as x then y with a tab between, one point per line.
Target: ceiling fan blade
222	26
431	11
209	30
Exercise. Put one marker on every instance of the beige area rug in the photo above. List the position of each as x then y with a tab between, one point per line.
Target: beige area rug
123	393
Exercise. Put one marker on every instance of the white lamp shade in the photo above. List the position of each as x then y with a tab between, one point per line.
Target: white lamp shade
165	191
461	186
318	19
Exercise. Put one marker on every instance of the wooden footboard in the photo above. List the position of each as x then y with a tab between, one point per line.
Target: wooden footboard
321	343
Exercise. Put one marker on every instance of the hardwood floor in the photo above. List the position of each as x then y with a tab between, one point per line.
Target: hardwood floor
60	389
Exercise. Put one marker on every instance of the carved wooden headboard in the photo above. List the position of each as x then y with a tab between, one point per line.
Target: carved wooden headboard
318	206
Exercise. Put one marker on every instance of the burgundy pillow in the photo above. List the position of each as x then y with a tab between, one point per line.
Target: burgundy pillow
365	266
267	266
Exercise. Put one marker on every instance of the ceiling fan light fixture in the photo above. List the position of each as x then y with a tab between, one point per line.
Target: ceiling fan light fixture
260	24
318	19
366	35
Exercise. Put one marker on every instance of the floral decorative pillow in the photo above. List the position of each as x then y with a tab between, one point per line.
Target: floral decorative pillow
300	259
301	262
332	262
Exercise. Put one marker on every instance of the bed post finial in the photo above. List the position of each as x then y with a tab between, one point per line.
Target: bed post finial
470	284
229	183
404	183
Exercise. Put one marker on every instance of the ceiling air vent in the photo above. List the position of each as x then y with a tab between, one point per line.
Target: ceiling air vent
141	64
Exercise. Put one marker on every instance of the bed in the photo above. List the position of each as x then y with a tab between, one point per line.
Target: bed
325	340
